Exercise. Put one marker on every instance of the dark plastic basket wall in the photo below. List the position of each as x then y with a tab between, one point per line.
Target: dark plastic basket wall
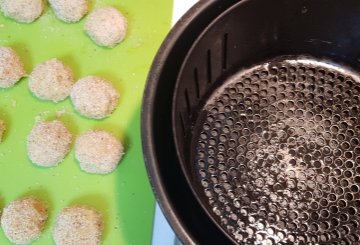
215	40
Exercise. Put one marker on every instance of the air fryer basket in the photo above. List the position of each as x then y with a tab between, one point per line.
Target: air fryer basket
265	120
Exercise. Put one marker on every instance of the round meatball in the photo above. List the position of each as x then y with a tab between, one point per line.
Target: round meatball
48	143
24	11
11	67
106	26
80	225
98	152
94	97
69	10
51	80
23	220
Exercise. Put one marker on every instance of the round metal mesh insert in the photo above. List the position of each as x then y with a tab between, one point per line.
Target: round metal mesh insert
278	154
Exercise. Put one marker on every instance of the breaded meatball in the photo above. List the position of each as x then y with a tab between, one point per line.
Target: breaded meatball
78	225
94	97
51	80
98	152
11	67
48	143
23	220
106	26
23	11
69	10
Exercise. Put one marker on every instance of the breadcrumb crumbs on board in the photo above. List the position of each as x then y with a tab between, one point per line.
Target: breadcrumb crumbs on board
11	67
23	11
51	80
40	117
70	10
98	152
78	225
62	112
23	220
48	143
106	26
94	97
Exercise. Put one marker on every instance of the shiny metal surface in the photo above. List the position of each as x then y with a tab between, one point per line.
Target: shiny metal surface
277	153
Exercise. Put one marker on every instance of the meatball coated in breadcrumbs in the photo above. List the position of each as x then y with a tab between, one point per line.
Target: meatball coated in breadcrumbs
51	80
23	220
69	10
11	67
48	143
94	97
98	152
78	225
106	26
24	11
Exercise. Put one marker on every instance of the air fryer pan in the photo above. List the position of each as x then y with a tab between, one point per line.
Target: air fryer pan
277	154
265	119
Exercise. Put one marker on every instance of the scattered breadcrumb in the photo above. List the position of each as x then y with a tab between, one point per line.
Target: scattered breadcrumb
61	112
41	116
13	103
23	220
69	10
98	152
78	225
11	67
24	11
94	97
106	26
2	129
51	80
48	143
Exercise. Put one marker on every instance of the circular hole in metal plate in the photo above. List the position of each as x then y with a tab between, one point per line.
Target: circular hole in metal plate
277	154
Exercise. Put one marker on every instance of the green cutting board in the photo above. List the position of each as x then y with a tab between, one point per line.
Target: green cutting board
124	196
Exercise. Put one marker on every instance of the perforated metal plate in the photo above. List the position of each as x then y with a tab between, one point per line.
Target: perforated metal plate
278	154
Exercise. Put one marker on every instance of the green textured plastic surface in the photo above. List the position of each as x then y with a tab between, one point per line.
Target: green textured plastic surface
124	196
